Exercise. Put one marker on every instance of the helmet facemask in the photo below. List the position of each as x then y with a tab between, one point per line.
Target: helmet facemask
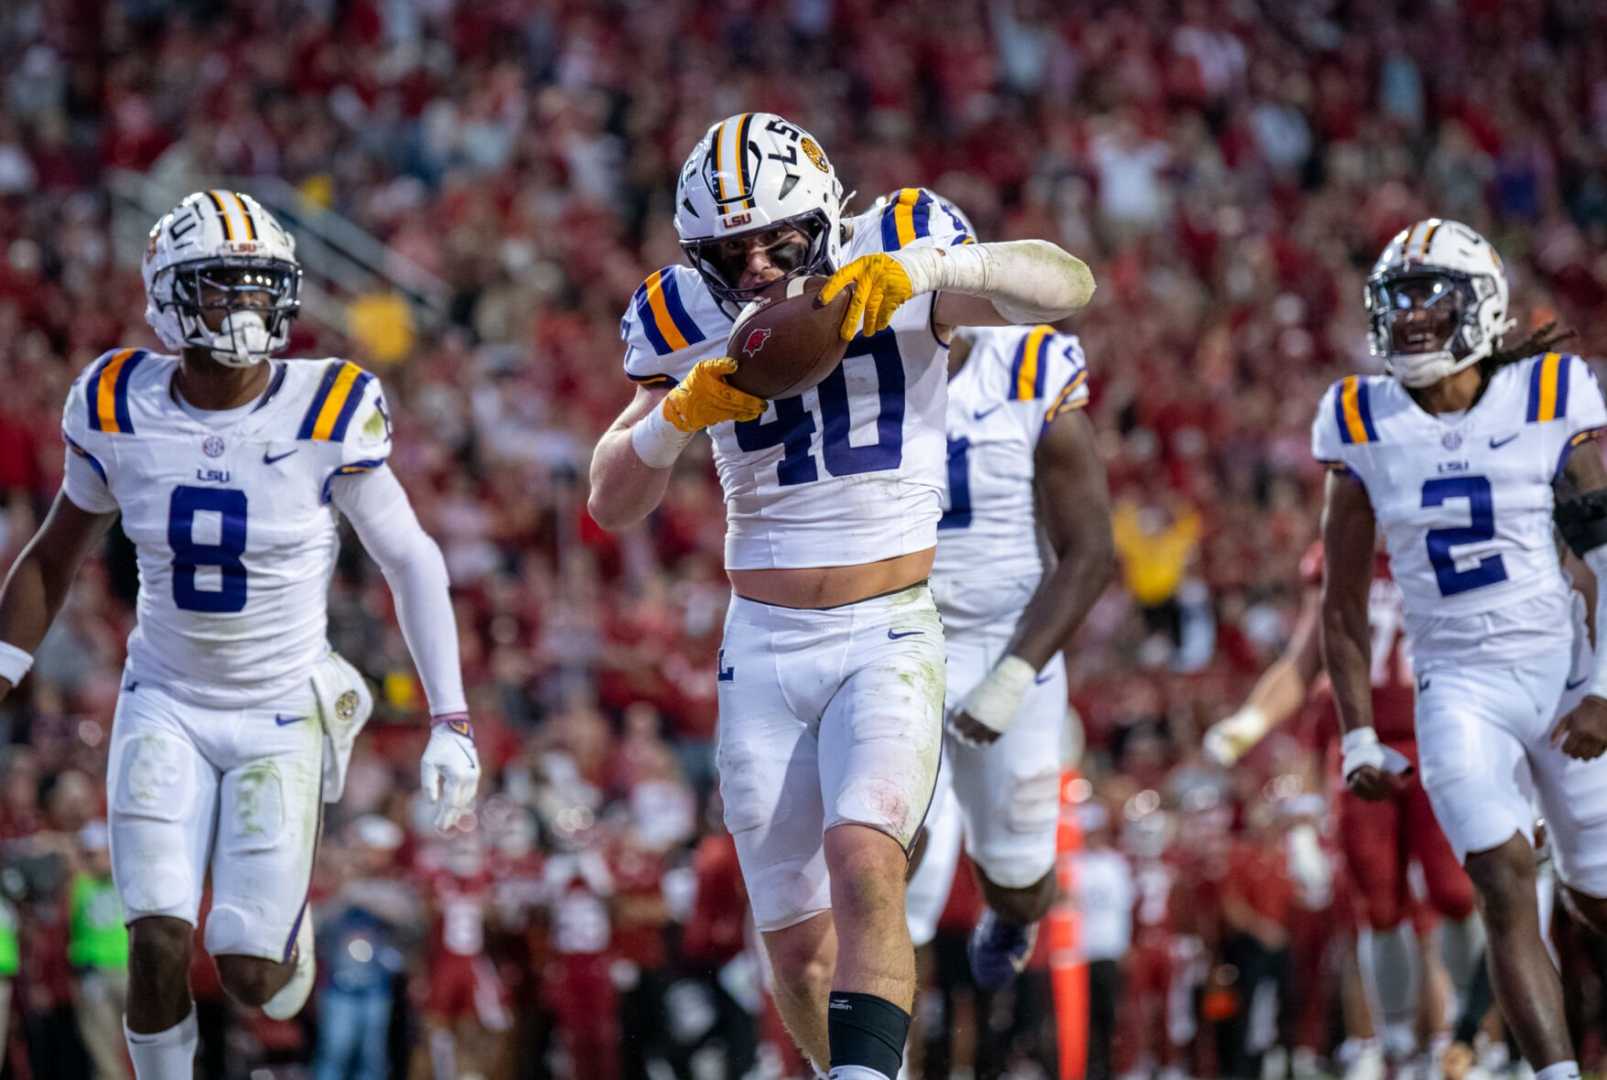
251	299
721	261
1425	324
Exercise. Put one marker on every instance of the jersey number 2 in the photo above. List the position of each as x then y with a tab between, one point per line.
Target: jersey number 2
794	423
230	506
1490	569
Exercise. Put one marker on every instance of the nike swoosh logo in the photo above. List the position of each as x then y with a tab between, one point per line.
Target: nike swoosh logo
1574	684
269	459
1045	677
285	721
982	413
1496	444
1422	684
894	636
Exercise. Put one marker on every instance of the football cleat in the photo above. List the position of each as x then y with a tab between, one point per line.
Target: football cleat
999	950
293	995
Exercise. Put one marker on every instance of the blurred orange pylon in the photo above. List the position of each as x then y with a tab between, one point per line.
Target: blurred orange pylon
1068	971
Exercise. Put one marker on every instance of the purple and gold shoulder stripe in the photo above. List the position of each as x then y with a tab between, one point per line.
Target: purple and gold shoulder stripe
669	327
1353	411
106	393
335	402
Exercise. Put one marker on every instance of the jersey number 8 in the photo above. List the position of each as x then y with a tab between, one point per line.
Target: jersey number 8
188	556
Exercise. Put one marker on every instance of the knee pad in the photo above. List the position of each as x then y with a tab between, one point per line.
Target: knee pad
233	930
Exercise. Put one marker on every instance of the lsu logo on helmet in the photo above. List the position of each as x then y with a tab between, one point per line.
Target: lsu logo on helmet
811	150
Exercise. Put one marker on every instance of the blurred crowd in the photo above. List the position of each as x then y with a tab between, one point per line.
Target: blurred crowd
1229	168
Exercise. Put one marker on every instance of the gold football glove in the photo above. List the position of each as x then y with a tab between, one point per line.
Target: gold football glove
704	398
880	284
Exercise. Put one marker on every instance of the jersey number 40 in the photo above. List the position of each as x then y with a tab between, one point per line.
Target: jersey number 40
794	424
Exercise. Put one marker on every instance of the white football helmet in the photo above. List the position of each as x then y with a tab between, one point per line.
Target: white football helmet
749	173
216	251
1447	269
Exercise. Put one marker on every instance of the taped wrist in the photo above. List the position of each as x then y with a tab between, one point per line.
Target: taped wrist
1361	748
14	663
1582	521
657	441
997	697
1233	736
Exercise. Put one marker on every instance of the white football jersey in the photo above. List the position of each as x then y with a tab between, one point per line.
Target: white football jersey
232	522
990	554
1465	502
850	471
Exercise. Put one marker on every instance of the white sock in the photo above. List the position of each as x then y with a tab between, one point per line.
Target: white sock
1562	1070
1462	947
860	1072
167	1055
1389	967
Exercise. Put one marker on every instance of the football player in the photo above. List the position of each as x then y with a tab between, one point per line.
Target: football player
1024	549
1380	838
1461	454
831	673
236	719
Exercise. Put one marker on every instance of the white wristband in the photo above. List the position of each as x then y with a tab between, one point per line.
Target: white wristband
1232	737
994	702
1362	748
657	441
14	663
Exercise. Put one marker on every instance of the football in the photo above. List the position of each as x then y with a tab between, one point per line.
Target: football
784	342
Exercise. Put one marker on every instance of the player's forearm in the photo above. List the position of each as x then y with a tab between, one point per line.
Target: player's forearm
624	488
36	588
1063	598
28	602
1026	281
1346	649
1278	693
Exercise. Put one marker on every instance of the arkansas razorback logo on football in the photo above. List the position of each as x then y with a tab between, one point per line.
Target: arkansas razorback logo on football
755	341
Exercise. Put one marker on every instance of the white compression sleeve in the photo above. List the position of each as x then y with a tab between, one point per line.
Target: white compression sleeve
1028	281
379	510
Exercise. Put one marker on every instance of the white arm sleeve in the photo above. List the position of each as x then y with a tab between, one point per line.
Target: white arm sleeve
1028	281
378	509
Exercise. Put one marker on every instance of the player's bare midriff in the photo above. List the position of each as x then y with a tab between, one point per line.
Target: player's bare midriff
832	586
